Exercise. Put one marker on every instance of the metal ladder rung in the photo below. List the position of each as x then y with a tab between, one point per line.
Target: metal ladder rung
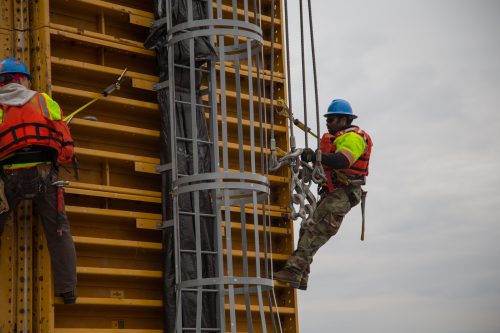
202	252
191	140
203	290
202	330
196	69
200	214
189	103
181	175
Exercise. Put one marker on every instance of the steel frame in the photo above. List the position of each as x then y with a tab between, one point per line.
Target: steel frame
226	188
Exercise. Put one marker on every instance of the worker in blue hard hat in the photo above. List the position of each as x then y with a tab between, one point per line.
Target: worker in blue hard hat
346	153
33	142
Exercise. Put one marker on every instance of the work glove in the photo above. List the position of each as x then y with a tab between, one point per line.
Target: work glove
308	155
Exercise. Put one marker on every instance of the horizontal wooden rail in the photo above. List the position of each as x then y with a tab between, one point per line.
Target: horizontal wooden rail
144	163
80	65
112	213
96	39
260	228
151	168
158	303
115	156
149	15
278	76
275	211
108	330
138	273
117	243
129	302
116	129
84	38
114	189
97	35
154	134
252	254
151	224
127	102
112	195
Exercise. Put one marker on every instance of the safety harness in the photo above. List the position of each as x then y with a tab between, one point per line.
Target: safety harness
355	175
31	125
357	170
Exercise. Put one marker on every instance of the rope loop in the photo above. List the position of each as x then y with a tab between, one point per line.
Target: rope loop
302	178
318	174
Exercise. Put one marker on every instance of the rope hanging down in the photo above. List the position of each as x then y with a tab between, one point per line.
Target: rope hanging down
302	174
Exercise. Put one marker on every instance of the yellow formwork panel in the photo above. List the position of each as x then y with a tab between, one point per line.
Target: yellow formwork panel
75	49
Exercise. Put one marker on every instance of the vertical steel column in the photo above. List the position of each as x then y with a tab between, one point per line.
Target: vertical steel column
24	268
232	183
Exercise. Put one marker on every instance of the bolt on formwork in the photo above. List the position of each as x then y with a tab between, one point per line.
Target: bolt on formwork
212	70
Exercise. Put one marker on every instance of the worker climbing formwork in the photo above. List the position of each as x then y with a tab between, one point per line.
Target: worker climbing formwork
345	152
339	167
34	141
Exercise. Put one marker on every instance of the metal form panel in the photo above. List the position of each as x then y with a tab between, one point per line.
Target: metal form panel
76	48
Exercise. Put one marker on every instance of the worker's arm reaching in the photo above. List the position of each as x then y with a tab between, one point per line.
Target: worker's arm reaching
349	147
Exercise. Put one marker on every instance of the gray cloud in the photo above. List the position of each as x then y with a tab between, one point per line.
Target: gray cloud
424	77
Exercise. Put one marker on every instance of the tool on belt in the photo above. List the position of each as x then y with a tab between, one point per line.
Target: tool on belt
60	203
108	90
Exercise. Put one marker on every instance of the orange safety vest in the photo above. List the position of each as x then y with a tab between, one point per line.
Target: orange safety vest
359	167
30	125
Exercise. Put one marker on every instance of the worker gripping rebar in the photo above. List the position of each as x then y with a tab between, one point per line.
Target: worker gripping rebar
105	93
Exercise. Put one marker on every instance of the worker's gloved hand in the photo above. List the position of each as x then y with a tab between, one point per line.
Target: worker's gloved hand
308	155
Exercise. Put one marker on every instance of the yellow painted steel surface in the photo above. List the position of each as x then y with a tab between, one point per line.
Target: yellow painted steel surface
75	48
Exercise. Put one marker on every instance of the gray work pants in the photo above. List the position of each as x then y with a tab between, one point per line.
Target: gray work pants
35	183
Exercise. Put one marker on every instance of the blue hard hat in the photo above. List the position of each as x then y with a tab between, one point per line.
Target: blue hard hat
14	66
340	107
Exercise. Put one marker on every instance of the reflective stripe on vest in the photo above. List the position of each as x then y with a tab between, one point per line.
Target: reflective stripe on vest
51	110
31	124
359	167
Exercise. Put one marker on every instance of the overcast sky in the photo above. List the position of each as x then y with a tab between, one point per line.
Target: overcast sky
424	78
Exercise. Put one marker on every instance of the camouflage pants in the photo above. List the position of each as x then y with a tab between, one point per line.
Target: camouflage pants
327	217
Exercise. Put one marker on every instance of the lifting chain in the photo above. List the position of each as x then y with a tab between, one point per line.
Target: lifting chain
303	175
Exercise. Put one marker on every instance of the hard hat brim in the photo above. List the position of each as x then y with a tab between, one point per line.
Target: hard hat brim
326	115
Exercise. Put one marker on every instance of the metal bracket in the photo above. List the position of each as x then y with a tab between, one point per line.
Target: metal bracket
204	92
165	224
164	167
157	23
160	85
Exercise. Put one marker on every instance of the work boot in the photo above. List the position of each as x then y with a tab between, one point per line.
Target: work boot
289	277
69	297
303	282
